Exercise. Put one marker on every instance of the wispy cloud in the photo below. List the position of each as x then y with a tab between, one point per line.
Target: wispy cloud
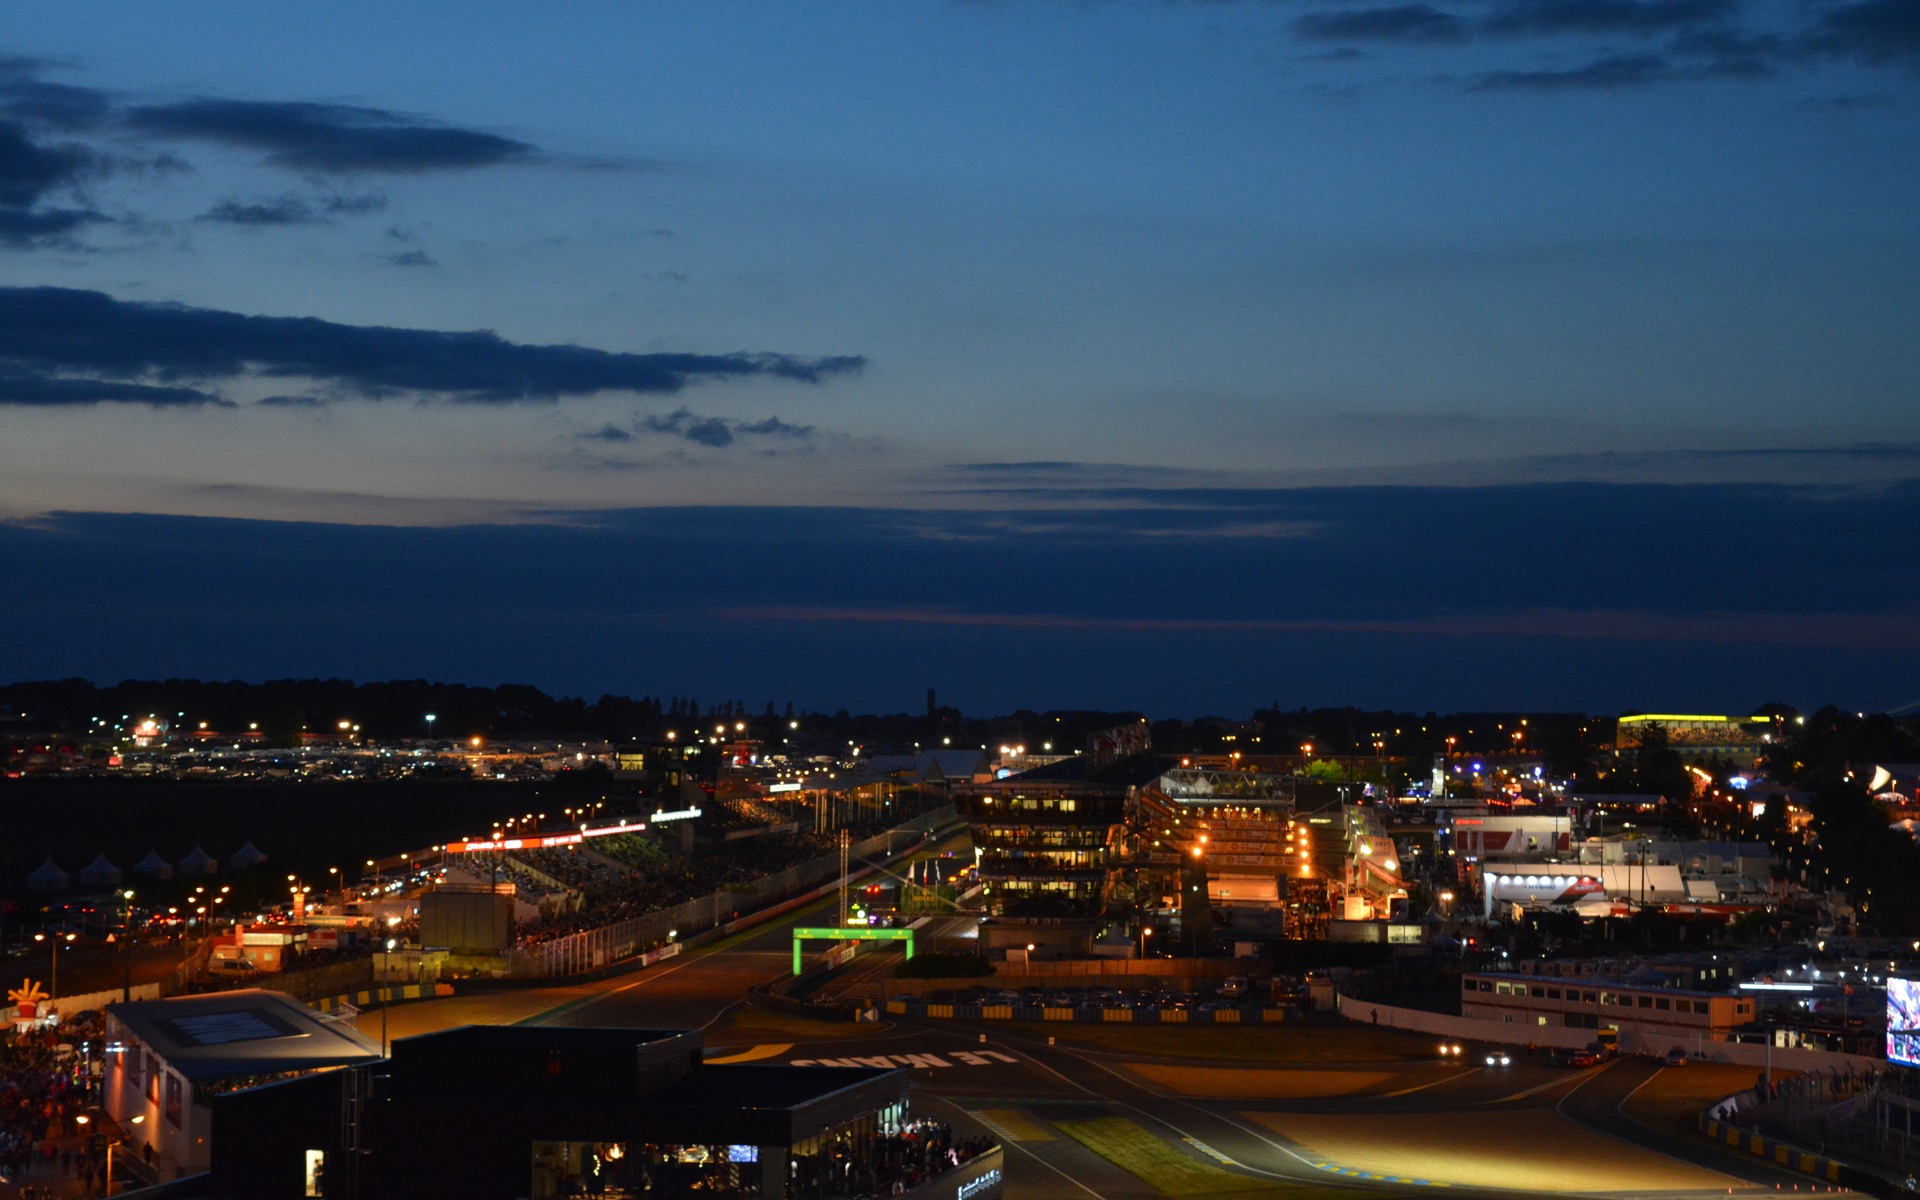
32	173
1605	16
1874	32
54	136
276	210
45	391
46	332
1612	45
329	138
1893	631
1397	23
716	432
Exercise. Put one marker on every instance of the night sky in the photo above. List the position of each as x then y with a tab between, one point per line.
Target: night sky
1188	357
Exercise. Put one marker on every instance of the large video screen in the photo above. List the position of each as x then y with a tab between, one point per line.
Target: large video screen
1903	1021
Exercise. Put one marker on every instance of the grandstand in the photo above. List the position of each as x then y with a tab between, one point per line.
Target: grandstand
631	874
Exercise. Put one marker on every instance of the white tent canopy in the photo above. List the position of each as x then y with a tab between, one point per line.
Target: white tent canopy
199	863
246	857
100	873
48	877
153	866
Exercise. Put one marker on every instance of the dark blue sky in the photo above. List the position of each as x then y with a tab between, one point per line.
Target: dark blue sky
1181	355
1560	596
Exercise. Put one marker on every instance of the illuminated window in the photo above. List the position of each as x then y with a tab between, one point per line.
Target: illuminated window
316	1173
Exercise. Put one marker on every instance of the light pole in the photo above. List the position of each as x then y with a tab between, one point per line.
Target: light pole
107	1186
430	720
53	975
386	994
126	947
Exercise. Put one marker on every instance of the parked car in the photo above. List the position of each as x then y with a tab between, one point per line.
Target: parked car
1676	1057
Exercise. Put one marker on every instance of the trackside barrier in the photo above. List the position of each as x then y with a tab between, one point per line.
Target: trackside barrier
1094	1016
383	995
1791	1157
80	1002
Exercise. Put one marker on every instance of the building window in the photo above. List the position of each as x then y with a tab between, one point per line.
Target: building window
316	1173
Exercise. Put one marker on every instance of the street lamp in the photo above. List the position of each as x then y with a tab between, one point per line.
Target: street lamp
386	993
108	1190
53	977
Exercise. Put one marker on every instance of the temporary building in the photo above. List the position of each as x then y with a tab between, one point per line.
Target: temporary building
153	866
199	863
246	858
48	877
100	873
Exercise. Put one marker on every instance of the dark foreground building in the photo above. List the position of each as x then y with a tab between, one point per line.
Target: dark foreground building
506	1112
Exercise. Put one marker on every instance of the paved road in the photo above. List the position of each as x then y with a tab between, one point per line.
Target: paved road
1601	1105
1393	1128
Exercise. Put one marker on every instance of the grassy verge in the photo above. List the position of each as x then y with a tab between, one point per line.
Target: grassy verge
1171	1172
1672	1100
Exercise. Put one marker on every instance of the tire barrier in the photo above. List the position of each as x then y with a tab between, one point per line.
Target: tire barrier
1791	1157
1248	1015
390	995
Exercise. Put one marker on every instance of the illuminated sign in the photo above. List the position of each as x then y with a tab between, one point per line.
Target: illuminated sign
1903	1022
774	789
973	1187
533	843
682	814
610	830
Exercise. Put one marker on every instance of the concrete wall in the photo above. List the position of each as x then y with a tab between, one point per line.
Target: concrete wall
1039	970
1124	975
1631	1041
1464	1028
81	1002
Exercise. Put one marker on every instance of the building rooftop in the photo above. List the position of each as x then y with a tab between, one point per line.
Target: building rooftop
247	1032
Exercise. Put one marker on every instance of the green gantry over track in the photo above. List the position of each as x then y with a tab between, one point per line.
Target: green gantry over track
852	933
